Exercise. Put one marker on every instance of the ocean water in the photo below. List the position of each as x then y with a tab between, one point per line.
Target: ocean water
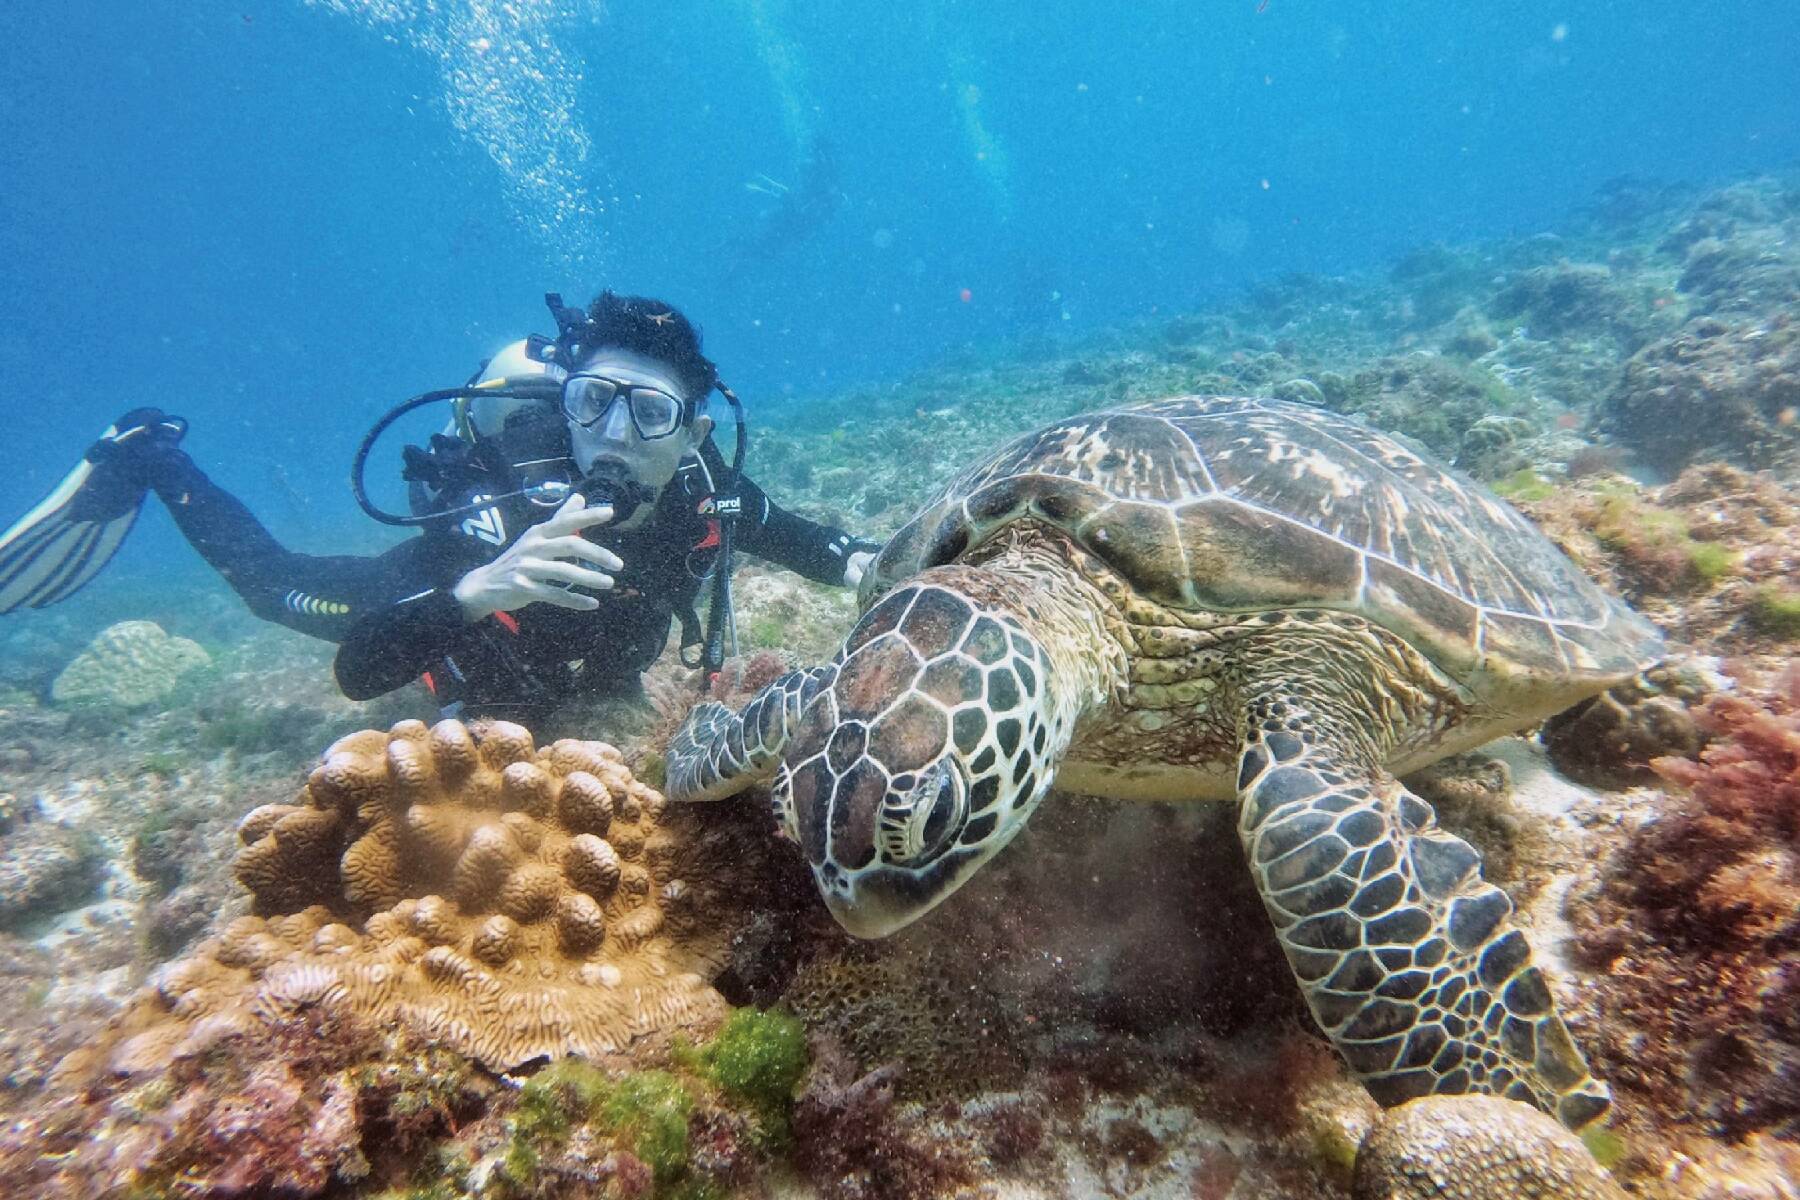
278	218
906	231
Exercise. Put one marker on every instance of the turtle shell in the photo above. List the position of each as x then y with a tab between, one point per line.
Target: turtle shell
1239	505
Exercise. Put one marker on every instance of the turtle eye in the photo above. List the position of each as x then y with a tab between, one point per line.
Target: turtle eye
920	822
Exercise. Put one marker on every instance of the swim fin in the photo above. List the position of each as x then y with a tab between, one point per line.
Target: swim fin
54	550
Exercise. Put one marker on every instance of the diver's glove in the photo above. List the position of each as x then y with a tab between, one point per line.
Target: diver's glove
126	460
861	553
543	565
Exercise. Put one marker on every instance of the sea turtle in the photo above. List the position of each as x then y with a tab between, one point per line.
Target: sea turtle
1209	598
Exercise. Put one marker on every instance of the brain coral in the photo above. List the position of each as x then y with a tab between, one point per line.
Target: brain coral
127	665
507	901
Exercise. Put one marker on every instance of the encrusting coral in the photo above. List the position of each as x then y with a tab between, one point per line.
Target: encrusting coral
128	665
506	901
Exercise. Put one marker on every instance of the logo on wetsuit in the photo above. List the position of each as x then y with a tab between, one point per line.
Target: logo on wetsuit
486	524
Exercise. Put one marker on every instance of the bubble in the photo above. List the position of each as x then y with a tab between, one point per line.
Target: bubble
509	86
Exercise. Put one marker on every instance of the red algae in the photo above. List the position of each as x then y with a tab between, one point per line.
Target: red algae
1697	922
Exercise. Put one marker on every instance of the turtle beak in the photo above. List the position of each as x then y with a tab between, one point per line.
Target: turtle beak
864	919
882	900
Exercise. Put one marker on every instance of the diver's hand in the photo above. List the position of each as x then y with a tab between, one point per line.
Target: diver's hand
545	564
855	565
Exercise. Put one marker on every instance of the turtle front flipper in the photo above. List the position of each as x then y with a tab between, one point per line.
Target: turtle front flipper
1405	954
718	753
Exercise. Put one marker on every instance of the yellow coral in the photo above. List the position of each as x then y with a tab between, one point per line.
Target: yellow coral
507	901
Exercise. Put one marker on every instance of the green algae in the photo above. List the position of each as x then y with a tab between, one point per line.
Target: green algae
1776	611
1524	485
645	1112
551	1103
1711	561
444	1175
649	1110
758	1060
1625	524
1607	1147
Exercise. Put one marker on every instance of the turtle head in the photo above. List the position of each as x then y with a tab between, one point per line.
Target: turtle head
923	752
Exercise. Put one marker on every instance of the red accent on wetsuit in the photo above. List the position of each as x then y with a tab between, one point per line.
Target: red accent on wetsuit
712	535
429	682
508	622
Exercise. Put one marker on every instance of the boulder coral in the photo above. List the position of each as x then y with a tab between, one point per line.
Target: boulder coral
506	901
1475	1148
128	665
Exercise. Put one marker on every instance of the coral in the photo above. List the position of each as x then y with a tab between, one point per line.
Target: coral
1468	336
1610	740
1475	1148
1712	390
1571	298
1696	920
506	901
1441	402
45	868
128	665
1742	270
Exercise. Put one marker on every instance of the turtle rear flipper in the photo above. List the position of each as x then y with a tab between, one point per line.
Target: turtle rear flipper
1407	957
717	753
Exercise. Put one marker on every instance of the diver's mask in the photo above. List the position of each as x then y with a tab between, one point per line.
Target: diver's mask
527	457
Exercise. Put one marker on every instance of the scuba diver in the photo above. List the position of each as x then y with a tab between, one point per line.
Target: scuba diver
573	509
794	215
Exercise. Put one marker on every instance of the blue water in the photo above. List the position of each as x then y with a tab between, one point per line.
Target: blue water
277	218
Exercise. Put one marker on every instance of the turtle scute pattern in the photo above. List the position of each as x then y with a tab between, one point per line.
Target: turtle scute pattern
1237	504
507	901
1475	1148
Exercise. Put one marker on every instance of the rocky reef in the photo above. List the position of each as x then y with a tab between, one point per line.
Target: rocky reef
473	961
1692	926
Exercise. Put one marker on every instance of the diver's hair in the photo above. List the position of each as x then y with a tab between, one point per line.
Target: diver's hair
656	330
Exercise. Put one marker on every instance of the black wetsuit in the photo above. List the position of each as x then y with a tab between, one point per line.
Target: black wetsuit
396	620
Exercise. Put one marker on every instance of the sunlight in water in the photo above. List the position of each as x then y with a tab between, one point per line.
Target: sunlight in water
510	86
